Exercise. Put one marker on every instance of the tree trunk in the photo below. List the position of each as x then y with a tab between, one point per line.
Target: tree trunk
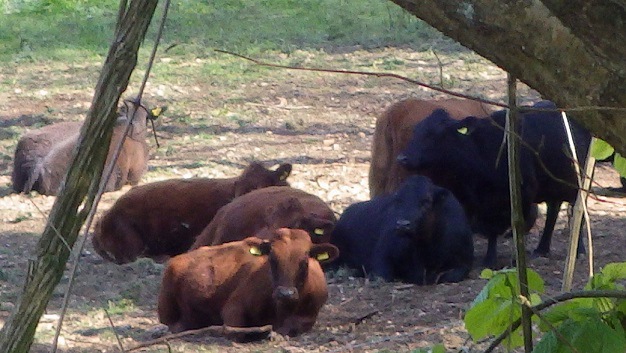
82	181
571	51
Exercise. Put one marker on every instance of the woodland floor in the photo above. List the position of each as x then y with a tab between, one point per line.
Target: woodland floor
321	123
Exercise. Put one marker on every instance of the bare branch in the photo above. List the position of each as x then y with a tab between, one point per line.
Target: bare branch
212	330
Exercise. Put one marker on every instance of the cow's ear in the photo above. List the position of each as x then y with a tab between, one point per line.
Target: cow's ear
324	252
466	126
156	112
321	226
260	248
283	171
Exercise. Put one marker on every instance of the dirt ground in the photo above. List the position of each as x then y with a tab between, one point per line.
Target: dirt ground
322	124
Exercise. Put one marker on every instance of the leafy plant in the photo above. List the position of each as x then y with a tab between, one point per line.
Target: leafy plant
497	304
602	150
581	323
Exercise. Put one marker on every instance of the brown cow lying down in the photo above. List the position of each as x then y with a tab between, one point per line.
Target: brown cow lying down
162	219
273	207
394	130
248	283
42	157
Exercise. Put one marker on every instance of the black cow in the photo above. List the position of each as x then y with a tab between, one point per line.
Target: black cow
462	156
418	234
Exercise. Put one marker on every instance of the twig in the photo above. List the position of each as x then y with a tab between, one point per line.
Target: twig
419	83
213	330
360	319
117	337
440	64
364	73
61	238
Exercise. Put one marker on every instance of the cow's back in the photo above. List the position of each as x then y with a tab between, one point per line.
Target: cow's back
197	285
246	215
394	130
33	146
164	216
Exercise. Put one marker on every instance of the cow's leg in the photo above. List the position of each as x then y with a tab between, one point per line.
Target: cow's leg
543	249
491	255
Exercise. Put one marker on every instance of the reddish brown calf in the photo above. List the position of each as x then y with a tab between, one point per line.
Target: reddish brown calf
162	219
248	283
269	208
394	130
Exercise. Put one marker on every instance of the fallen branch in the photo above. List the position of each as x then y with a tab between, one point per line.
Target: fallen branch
212	330
360	319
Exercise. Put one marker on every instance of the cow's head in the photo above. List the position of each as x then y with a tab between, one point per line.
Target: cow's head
140	114
256	176
439	143
290	213
290	253
116	246
415	205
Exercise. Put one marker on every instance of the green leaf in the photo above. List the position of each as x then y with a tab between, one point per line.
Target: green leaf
497	305
575	309
607	278
619	163
600	149
491	317
591	335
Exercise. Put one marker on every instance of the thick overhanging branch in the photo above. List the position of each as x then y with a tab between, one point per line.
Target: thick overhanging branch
591	21
530	42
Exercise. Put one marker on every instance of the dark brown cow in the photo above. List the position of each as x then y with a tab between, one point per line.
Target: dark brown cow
42	157
248	283
162	219
273	207
394	130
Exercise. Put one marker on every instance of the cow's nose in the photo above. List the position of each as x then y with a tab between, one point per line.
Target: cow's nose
286	293
403	225
402	159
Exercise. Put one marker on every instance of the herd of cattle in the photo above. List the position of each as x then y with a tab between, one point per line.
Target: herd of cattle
249	250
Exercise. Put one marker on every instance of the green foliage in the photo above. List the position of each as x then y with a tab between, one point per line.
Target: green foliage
619	162
602	150
586	324
37	29
121	306
591	335
497	304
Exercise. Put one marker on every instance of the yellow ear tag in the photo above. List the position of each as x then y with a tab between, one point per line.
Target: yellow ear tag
156	111
318	231
284	176
322	256
462	130
255	251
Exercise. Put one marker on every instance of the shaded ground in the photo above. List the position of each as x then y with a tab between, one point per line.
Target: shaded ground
214	126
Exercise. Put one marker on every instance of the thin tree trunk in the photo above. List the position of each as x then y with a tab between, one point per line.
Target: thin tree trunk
82	181
517	216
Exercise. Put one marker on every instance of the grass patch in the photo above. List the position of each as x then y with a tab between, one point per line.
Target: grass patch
70	30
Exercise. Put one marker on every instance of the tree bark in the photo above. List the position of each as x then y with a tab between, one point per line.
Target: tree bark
572	52
82	180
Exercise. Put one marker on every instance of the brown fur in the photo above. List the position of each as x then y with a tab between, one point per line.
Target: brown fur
43	156
228	285
162	219
273	207
394	130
